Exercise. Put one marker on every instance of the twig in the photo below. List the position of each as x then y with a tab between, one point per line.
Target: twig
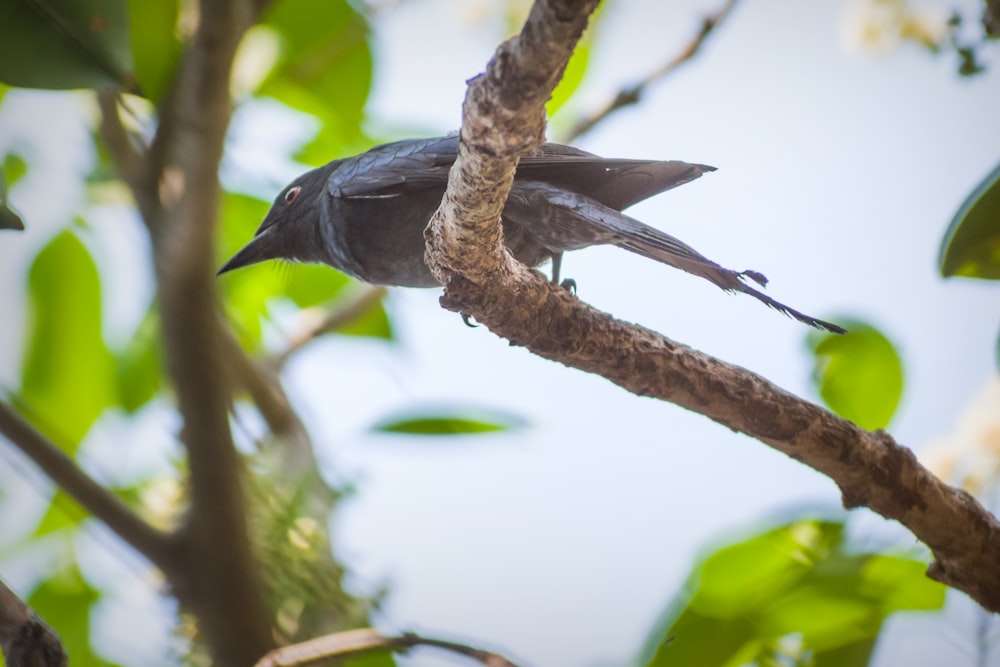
264	386
340	314
26	640
630	95
354	642
519	304
126	154
97	500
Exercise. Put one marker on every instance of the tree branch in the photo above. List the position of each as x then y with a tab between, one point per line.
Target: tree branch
127	157
25	638
97	500
219	581
352	643
517	303
340	314
630	95
503	118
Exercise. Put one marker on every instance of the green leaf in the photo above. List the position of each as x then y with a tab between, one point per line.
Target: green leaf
69	377
855	654
65	44
576	68
65	601
139	366
155	46
14	168
324	50
859	374
373	659
63	512
312	284
826	611
464	422
900	583
971	246
374	323
697	639
798	580
325	69
741	577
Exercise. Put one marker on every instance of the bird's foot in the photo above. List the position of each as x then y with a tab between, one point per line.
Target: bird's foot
569	285
468	321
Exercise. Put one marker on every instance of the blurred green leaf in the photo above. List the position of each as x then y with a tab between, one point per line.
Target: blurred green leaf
800	581
65	601
241	215
855	653
155	46
900	583
971	246
139	365
374	659
311	284
460	422
62	512
374	323
65	44
859	374
245	291
69	377
14	168
325	69
576	68
737	578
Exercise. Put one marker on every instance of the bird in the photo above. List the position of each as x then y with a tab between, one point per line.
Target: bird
365	215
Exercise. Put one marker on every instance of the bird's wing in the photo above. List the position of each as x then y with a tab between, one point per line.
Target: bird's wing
394	169
616	183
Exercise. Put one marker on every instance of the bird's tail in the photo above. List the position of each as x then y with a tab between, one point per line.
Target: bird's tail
654	244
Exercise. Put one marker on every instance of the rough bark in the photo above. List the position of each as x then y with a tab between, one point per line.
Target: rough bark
25	638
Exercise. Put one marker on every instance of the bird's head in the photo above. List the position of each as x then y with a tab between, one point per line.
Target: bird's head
291	228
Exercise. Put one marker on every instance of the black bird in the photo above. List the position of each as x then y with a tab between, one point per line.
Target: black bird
365	215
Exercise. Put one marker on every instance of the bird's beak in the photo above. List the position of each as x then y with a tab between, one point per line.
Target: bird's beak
258	250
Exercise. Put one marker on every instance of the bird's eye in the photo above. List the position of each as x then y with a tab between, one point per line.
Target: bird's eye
292	195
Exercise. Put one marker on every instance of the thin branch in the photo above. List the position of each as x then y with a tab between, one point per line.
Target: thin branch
262	383
517	303
352	643
630	95
24	637
339	315
126	152
263	386
101	503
